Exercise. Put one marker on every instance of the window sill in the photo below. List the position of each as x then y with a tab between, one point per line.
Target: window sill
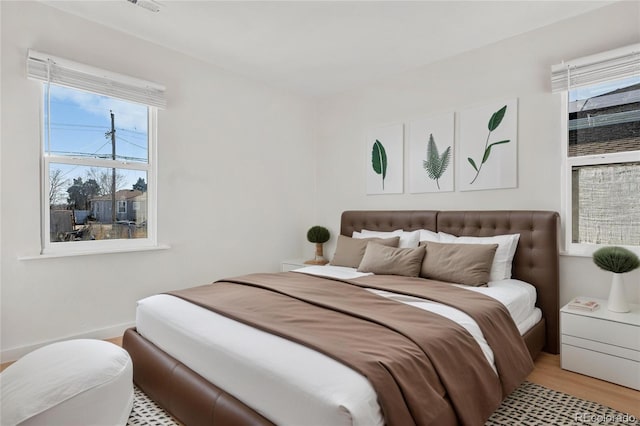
589	253
574	254
95	252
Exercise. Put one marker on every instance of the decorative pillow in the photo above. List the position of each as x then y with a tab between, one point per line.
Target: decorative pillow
392	261
408	239
468	264
501	267
349	251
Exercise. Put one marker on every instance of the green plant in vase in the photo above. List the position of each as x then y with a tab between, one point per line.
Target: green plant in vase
617	260
318	235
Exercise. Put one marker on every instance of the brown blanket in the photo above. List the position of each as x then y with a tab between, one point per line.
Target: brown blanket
418	362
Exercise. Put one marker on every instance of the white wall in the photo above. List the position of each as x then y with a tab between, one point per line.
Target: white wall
515	68
235	178
237	175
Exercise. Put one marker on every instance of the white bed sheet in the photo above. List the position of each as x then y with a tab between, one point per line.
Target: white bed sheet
287	382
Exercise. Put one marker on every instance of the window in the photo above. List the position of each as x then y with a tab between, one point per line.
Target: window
601	166
98	156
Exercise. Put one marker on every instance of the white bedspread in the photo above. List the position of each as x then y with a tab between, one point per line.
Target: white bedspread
284	381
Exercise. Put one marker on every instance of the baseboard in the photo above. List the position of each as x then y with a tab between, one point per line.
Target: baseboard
13	354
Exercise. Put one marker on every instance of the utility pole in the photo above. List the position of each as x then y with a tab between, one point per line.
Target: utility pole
113	171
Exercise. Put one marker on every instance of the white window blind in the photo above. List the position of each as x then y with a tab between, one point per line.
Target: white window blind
48	68
614	64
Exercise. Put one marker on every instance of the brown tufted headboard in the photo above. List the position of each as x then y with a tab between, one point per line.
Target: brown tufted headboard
536	260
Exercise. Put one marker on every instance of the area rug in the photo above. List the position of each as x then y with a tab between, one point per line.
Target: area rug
529	405
534	405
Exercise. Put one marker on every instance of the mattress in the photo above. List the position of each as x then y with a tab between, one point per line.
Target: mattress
286	382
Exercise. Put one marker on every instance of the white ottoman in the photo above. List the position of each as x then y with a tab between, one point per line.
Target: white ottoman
78	382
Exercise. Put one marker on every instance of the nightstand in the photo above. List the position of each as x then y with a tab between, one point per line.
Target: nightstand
288	265
602	344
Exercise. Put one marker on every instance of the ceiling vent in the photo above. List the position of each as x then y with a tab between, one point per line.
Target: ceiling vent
147	4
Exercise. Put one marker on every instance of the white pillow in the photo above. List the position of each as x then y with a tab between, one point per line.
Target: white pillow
407	239
426	235
501	266
447	238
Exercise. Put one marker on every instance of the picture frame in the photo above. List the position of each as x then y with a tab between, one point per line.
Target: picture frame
488	146
384	153
432	153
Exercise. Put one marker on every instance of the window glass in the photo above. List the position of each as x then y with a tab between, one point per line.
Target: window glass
606	204
81	124
602	159
97	163
605	118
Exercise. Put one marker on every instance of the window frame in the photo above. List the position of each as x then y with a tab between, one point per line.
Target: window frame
571	248
66	248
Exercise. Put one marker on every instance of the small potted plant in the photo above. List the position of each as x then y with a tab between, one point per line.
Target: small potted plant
318	235
619	261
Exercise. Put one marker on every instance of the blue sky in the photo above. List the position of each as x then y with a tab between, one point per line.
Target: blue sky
586	92
79	121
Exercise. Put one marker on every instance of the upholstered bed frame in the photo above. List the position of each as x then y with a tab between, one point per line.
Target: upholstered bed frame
195	401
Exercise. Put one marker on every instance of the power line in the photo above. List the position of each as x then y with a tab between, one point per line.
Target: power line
132	143
80	125
77	130
70	170
132	131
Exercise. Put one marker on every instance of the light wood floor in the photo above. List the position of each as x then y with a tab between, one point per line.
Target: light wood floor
548	373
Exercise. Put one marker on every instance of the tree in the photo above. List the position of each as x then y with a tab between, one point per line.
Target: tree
80	193
56	183
103	178
140	185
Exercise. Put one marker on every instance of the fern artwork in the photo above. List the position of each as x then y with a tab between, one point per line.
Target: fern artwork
379	160
436	164
431	153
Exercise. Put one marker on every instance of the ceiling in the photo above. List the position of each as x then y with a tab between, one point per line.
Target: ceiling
319	48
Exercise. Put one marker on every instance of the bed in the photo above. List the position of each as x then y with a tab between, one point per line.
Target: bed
196	400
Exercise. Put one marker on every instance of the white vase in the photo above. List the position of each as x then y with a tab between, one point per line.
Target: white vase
617	298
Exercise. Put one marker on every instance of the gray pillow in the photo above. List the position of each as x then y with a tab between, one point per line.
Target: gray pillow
468	264
349	251
392	261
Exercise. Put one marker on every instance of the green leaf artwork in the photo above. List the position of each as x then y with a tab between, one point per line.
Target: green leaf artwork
496	118
493	124
436	164
379	160
473	163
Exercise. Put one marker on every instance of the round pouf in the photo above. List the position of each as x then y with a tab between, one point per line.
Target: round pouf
76	382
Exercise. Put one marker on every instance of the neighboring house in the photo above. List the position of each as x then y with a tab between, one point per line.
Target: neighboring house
131	205
606	123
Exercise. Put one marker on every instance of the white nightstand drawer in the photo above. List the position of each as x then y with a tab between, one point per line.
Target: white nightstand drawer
604	348
601	330
602	366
